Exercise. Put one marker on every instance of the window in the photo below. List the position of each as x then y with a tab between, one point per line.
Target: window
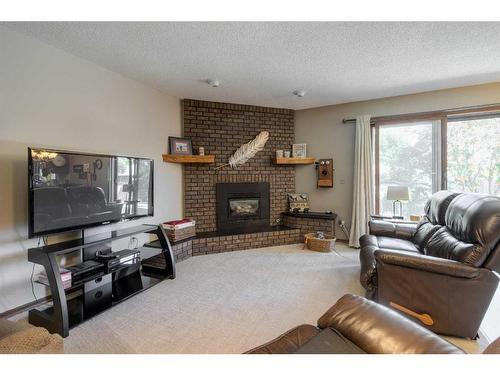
473	155
406	158
458	154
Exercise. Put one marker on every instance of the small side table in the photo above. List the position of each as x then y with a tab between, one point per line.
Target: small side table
309	222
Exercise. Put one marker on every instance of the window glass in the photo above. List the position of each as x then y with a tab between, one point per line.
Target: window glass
473	156
406	159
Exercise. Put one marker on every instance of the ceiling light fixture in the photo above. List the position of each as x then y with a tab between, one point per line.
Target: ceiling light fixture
213	82
299	93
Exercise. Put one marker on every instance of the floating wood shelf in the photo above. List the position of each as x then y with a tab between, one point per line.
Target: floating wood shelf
189	159
293	161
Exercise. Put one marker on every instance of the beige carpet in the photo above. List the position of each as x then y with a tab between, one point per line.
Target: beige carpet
228	303
223	303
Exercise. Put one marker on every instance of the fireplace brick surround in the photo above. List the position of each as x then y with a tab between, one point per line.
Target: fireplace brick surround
221	128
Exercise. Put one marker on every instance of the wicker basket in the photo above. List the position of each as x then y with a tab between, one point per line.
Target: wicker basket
316	244
175	235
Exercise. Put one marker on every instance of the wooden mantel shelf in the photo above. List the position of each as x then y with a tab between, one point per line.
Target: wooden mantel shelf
293	161
189	159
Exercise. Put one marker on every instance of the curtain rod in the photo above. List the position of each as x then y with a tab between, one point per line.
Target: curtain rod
458	110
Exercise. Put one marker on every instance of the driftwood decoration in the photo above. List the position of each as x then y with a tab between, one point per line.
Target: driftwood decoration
247	151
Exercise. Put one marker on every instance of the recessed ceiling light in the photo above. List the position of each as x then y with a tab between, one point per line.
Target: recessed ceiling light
299	93
213	82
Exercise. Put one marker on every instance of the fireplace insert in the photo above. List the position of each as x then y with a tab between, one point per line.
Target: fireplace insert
242	205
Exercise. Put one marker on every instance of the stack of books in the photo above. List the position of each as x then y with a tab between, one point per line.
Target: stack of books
180	229
65	277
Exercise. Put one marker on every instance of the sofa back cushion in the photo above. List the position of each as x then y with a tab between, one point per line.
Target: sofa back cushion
436	207
434	219
443	244
425	230
472	230
475	218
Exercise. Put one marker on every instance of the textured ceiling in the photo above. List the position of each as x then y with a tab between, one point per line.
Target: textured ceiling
263	63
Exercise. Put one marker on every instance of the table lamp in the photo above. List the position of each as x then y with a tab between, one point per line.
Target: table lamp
397	194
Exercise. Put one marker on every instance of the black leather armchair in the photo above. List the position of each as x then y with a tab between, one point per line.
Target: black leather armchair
441	272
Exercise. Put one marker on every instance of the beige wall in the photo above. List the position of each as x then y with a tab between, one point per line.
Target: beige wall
53	99
327	137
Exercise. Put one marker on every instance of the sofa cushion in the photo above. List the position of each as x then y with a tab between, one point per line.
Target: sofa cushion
475	218
436	206
392	229
443	244
329	341
381	242
472	230
390	243
425	230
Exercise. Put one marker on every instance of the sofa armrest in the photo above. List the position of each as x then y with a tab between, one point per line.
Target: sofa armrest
391	229
427	263
377	329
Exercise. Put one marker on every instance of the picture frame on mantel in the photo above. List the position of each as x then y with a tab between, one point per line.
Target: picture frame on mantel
180	146
299	150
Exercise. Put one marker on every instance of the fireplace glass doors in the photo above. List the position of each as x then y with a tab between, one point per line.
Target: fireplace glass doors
242	205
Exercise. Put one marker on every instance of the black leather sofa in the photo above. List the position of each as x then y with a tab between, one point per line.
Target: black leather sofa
355	325
441	272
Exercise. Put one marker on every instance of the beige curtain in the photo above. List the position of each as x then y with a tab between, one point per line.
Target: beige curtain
362	205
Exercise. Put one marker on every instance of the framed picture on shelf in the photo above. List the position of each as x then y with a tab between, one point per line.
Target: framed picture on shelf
180	146
299	150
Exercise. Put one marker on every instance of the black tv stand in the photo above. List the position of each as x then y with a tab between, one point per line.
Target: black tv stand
73	305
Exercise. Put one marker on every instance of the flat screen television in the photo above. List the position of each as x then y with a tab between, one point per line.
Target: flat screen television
72	190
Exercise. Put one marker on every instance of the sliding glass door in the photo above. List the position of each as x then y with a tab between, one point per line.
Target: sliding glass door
406	153
473	155
460	154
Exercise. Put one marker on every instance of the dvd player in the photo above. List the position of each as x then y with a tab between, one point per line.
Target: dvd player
113	260
80	270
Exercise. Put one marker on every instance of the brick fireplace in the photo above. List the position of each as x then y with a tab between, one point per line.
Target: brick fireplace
249	198
221	128
256	191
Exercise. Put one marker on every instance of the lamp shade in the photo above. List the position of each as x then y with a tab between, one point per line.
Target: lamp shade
398	193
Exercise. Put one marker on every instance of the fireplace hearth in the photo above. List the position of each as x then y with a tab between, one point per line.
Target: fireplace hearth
241	206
